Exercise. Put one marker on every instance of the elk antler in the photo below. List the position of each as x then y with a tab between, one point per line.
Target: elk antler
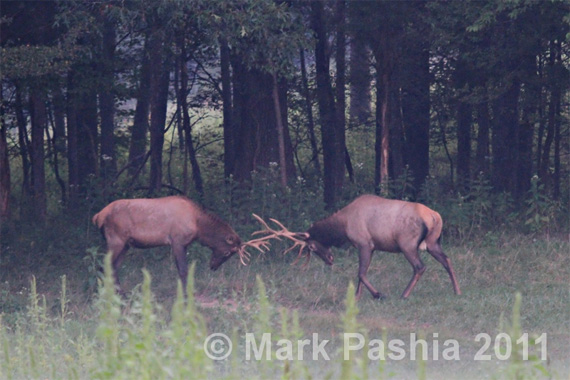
243	255
261	245
270	233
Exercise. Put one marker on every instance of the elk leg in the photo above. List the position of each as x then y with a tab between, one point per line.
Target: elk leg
438	254
118	249
419	269
364	263
179	252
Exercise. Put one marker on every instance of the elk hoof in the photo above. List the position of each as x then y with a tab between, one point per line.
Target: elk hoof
379	296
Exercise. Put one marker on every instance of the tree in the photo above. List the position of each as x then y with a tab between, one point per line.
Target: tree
333	152
359	78
28	60
38	115
183	109
5	182
384	50
309	109
256	122
108	159
159	82
261	50
227	105
415	97
139	128
464	120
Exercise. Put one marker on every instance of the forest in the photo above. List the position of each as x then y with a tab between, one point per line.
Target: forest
288	109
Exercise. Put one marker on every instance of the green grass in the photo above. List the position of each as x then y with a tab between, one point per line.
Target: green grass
50	333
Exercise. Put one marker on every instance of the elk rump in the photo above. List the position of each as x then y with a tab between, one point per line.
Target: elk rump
175	221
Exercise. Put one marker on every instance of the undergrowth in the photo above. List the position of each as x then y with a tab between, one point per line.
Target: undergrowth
137	339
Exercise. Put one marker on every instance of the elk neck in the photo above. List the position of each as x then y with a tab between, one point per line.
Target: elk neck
330	231
212	229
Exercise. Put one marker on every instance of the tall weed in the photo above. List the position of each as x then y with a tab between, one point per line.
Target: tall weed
540	214
522	363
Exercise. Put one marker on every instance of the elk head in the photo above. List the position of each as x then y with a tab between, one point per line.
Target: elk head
226	248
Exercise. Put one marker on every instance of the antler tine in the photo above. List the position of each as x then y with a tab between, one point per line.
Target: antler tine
283	228
288	234
263	223
273	233
299	255
243	256
262	243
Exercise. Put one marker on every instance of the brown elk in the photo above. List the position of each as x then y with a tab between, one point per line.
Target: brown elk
175	221
372	223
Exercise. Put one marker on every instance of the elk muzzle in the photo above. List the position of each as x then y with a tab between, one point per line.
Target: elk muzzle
320	250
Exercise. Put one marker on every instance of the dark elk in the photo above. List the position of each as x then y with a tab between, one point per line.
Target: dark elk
173	221
373	223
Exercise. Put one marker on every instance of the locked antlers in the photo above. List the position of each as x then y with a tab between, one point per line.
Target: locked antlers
262	243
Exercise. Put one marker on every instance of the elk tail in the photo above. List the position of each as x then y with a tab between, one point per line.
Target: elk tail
435	226
95	220
432	221
99	218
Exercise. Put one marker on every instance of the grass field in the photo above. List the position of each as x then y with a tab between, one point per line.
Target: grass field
45	334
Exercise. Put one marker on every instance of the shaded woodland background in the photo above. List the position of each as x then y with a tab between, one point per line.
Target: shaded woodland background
113	99
287	109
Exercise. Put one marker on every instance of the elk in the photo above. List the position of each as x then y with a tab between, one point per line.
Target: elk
173	221
372	223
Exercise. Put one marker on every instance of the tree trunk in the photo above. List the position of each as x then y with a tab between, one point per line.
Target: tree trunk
464	119
556	98
53	150
87	122
505	138
186	126
24	145
158	101
4	167
484	125
332	158
59	118
280	131
137	147
385	131
257	143
541	116
557	142
38	114
396	164
416	112
553	109
310	120
229	138
340	93
72	145
108	159
530	98
384	70
360	80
